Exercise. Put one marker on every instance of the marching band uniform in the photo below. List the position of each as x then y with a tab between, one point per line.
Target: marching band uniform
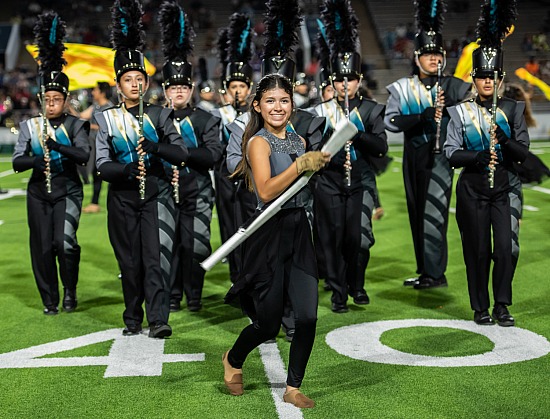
53	217
482	209
139	229
200	131
235	53
427	174
343	212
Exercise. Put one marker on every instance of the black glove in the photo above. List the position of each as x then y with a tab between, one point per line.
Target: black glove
53	145
149	146
131	170
428	113
39	163
501	136
483	158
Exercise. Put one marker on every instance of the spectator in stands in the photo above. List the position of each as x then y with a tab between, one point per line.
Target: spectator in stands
532	66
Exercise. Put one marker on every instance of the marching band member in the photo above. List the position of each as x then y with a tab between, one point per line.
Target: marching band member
52	145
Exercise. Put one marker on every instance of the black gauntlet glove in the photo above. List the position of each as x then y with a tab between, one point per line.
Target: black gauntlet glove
483	158
53	145
131	170
428	114
39	163
149	146
501	136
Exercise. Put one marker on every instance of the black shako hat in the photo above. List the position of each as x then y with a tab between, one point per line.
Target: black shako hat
177	43
49	32
494	23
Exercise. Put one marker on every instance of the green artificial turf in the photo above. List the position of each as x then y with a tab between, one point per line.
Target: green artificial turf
341	386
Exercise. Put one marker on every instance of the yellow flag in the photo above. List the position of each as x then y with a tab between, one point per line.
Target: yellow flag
88	64
523	74
463	68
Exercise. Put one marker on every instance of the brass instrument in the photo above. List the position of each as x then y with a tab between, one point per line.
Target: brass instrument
437	145
347	147
47	171
175	171
492	145
141	157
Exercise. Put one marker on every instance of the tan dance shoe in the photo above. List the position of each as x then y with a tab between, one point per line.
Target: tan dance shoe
235	384
296	398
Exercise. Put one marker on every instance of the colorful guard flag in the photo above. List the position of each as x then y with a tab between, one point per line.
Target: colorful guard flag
523	74
88	64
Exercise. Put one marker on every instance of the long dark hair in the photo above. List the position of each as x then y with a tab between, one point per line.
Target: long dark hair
269	82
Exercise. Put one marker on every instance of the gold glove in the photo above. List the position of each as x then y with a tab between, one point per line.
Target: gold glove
310	162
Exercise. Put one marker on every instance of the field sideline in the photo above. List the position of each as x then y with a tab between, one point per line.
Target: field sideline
409	354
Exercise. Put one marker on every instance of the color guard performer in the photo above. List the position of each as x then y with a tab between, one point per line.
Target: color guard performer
416	106
133	140
486	136
52	145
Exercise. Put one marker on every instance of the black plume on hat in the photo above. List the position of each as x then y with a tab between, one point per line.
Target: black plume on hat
341	29
177	43
49	32
494	23
282	21
127	36
221	46
323	52
238	49
429	20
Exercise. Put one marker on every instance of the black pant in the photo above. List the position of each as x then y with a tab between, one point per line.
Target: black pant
428	185
52	227
134	232
480	211
302	291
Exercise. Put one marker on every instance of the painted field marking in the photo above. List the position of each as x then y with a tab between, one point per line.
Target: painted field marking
12	192
362	342
6	173
276	374
129	356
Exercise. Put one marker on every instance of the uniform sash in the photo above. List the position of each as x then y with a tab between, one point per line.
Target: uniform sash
124	127
477	124
59	135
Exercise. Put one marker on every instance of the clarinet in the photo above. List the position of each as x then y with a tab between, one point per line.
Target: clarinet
47	171
141	157
176	186
347	147
493	129
437	145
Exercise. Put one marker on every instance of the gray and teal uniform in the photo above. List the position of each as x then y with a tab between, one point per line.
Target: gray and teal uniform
141	231
279	266
428	176
53	217
200	132
488	218
343	214
226	189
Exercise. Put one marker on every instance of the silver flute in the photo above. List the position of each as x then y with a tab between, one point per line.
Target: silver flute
437	145
141	157
492	144
47	171
176	184
347	147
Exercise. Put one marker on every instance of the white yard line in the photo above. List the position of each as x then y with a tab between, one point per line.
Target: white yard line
275	371
12	192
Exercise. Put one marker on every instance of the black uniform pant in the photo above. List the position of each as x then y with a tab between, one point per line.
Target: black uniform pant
343	222
134	232
52	227
192	241
225	208
292	283
428	181
481	211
